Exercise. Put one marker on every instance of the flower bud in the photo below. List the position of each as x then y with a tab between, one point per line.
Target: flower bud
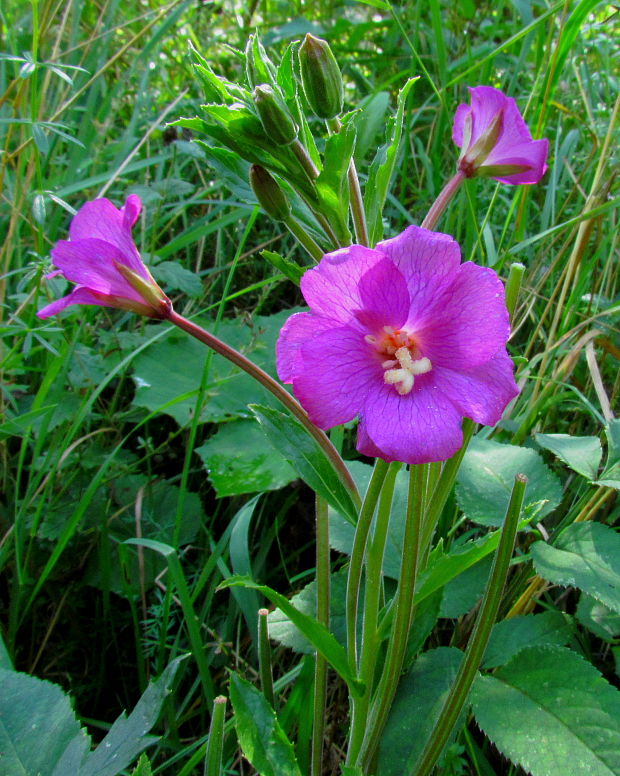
320	77
269	195
259	68
274	115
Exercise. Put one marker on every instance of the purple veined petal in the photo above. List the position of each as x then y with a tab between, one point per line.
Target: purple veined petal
131	211
458	128
384	297
331	288
365	445
101	220
481	393
79	295
532	154
427	260
421	427
338	370
486	103
297	330
469	322
91	263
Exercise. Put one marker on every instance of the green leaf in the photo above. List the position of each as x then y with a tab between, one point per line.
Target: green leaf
229	390
174	277
582	454
314	631
283	630
369	120
486	477
611	474
332	185
509	637
260	736
585	555
306	456
421	694
598	618
35	710
240	460
382	169
288	268
552	713
465	588
143	768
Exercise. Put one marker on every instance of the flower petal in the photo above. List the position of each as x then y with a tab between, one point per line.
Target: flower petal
297	330
79	295
90	263
468	324
532	154
427	260
421	427
482	393
384	297
332	287
458	128
99	219
337	371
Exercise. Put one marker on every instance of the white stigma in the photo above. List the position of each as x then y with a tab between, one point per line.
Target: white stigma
403	378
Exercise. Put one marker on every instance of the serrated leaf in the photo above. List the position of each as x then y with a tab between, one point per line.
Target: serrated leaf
509	637
586	556
382	169
552	713
420	697
315	632
143	768
486	477
240	460
582	454
260	736
307	457
332	185
288	268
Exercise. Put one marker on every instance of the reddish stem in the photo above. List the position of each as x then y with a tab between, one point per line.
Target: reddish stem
442	201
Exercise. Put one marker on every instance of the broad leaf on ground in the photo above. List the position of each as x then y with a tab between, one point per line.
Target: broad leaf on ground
583	454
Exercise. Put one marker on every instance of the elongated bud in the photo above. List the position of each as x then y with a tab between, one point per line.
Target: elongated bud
320	77
274	115
269	195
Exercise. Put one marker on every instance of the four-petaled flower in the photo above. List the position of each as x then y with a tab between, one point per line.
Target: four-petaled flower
495	140
102	259
405	337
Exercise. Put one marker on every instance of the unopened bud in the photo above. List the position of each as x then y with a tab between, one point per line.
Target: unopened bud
258	67
274	115
269	195
320	77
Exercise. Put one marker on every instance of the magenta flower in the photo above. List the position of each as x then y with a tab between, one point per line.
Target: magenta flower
495	141
405	337
101	257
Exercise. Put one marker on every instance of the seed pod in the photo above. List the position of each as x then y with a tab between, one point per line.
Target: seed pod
274	115
320	77
269	195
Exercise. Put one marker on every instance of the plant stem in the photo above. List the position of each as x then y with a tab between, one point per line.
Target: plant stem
372	604
403	611
357	555
455	701
322	614
304	159
264	658
442	201
213	760
306	240
275	388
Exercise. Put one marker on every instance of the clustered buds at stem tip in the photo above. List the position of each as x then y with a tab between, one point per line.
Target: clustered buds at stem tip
269	195
274	115
321	78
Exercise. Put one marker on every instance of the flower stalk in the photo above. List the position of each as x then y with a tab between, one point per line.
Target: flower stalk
443	200
213	759
264	658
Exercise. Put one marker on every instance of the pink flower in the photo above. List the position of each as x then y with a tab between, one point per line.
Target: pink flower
101	257
495	141
405	337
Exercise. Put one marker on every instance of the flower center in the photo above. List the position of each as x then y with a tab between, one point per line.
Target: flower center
405	360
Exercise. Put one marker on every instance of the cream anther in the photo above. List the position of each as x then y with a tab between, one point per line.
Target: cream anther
401	379
421	366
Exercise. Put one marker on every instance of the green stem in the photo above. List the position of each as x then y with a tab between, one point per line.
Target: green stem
403	611
304	159
513	286
264	658
455	701
308	242
442	201
275	388
357	201
322	614
356	562
372	604
213	759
